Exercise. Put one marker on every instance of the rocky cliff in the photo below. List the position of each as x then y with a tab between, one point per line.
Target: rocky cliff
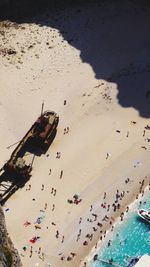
8	254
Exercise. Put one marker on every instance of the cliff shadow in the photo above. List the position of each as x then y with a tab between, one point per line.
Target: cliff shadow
112	37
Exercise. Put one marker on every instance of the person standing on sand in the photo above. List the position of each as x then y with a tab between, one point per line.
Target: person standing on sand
50	171
45	206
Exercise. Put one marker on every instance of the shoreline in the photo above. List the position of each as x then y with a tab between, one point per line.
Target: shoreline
131	199
95	250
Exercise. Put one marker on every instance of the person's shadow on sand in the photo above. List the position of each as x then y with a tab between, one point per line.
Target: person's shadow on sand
114	39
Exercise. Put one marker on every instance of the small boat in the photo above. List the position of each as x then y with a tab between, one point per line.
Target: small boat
133	262
144	214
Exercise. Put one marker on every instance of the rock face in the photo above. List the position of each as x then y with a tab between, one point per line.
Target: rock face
8	254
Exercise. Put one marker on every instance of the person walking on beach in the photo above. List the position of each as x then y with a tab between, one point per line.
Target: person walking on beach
54	192
127	208
108	207
53	207
58	155
127	134
29	187
91	237
43	256
109	243
61	174
42	187
85	243
80	220
31	251
45	206
78	237
50	171
95	216
91	207
57	234
108	155
39	251
62	241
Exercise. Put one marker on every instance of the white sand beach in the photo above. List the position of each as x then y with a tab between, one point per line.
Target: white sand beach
96	57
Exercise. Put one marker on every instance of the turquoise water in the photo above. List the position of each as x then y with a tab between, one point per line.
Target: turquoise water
129	238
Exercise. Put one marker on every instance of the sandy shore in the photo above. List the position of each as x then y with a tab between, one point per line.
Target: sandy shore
89	57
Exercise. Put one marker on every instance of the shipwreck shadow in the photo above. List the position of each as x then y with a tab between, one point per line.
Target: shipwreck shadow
33	146
10	182
112	36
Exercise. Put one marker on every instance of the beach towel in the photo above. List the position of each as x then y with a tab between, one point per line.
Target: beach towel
27	223
34	239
